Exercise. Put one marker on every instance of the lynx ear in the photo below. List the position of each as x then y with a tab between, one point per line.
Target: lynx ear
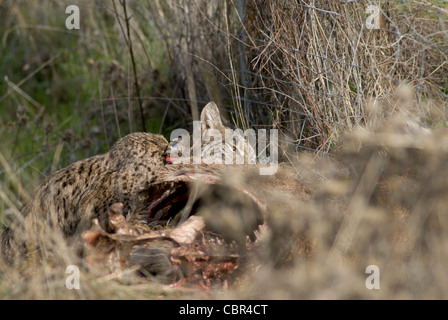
210	117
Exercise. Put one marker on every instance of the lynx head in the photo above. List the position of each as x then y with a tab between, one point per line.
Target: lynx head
219	144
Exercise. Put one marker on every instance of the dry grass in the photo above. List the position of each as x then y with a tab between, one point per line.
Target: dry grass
379	196
316	64
390	211
381	200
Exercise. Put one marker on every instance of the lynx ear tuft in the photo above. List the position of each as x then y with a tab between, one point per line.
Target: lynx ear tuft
210	117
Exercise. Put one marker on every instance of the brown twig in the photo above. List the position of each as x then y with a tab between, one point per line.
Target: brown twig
128	40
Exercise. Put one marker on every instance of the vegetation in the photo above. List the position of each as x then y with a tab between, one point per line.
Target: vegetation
308	68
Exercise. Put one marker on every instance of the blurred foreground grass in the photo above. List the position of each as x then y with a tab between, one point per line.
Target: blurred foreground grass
67	95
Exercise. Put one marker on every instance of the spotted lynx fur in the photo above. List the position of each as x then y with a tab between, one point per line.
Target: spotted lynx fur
69	199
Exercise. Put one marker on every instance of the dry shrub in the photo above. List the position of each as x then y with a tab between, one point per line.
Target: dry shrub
314	64
382	202
310	70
